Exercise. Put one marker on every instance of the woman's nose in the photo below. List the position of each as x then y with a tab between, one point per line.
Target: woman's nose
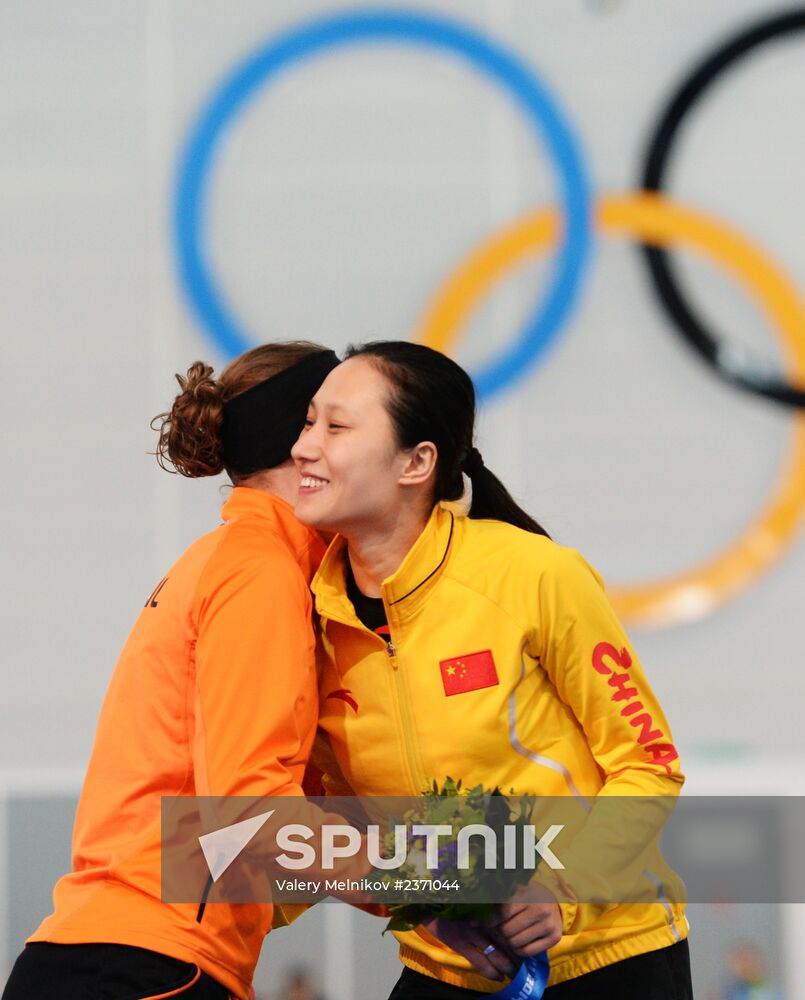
304	448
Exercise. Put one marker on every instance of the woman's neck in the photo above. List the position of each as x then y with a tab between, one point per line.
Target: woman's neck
376	554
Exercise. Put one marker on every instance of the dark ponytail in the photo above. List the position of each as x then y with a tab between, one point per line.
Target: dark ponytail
433	399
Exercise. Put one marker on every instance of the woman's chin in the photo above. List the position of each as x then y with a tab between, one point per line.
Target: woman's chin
309	512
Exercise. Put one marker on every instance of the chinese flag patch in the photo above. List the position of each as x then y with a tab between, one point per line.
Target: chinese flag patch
468	673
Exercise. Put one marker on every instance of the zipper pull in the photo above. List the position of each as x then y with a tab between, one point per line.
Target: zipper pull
391	649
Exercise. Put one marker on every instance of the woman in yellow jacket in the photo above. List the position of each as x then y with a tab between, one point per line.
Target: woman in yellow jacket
476	647
214	694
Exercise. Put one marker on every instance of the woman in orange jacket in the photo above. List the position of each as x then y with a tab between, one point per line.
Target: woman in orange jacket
475	647
214	694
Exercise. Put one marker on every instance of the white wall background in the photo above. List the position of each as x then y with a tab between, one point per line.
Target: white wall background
342	197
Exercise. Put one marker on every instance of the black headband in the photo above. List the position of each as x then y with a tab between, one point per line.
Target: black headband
261	425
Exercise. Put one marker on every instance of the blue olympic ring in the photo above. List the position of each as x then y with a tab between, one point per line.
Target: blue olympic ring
420	29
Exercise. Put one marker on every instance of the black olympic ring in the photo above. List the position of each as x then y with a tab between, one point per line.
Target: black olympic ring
736	369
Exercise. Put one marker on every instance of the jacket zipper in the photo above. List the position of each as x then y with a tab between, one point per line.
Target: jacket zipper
415	776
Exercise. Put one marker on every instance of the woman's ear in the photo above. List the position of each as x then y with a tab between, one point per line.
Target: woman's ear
420	464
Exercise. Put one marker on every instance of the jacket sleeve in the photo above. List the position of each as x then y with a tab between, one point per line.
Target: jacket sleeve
588	658
255	685
332	778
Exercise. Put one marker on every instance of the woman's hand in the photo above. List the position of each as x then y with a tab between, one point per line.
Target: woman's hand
480	944
527	925
530	923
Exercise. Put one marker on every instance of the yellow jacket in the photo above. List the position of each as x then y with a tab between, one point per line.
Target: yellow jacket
508	667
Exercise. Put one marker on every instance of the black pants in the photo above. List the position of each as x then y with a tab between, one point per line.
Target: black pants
657	975
105	972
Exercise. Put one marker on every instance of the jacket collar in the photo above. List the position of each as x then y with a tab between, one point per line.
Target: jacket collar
409	586
304	543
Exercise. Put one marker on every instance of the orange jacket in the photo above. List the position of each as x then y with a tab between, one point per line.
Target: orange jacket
213	694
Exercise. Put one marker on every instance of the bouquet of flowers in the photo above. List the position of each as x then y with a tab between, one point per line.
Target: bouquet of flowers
485	885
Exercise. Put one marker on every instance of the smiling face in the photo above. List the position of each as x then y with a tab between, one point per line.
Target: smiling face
354	475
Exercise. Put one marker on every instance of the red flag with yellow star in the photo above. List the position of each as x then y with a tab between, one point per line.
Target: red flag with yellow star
469	673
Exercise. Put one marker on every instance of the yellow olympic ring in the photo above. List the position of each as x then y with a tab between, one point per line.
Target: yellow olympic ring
692	594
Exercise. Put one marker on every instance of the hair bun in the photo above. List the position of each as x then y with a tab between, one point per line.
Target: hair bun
190	433
199	383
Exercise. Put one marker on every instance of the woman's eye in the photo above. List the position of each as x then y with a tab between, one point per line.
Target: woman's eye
336	427
308	422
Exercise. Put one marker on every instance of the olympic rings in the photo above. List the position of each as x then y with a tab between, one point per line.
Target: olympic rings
426	30
690	595
658	223
732	367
